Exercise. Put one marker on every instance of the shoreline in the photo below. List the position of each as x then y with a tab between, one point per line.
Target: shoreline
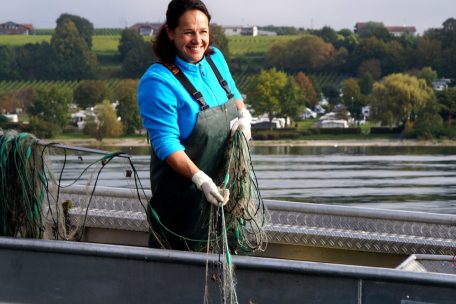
142	142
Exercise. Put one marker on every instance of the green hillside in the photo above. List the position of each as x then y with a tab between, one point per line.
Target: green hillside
239	45
108	43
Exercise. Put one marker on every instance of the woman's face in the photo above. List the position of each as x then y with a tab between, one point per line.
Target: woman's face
191	36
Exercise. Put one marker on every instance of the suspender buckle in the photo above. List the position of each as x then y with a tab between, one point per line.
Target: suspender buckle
197	95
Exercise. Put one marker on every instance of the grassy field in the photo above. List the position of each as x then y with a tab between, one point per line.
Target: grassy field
239	45
101	44
17	40
108	43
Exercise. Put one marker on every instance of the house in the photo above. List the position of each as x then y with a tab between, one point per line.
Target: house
366	112
12	117
79	118
12	28
330	120
240	30
308	114
396	31
146	28
262	122
246	31
332	123
441	84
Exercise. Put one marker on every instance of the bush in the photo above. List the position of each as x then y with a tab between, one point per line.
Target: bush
335	131
383	130
275	134
43	129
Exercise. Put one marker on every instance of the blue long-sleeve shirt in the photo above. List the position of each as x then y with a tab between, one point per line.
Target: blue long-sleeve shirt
168	110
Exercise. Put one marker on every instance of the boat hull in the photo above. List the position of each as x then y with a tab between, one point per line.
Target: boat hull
40	271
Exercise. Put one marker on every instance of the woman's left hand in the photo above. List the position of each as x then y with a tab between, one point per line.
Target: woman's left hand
243	123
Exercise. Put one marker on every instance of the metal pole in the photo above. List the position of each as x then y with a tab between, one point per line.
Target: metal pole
82	149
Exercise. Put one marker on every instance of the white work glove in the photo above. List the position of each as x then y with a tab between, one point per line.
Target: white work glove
243	123
210	190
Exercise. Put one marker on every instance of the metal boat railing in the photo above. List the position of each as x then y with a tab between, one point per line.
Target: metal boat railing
327	226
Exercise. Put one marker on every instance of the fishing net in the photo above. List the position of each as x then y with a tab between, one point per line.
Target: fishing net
246	214
31	200
32	206
238	226
21	186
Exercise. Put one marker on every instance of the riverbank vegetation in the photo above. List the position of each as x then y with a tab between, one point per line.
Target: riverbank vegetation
281	75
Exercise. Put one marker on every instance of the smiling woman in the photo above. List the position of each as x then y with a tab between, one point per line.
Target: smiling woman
191	107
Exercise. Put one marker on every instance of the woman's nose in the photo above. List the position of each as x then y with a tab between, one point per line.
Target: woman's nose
196	38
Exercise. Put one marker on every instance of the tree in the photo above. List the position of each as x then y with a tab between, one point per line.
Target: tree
326	33
374	29
265	92
428	74
449	33
368	49
347	39
447	101
427	53
52	105
309	53
129	39
331	92
398	99
137	61
292	100
88	93
37	61
394	59
219	40
366	84
8	63
429	123
352	98
43	128
74	60
135	53
84	27
371	67
128	111
308	89
104	123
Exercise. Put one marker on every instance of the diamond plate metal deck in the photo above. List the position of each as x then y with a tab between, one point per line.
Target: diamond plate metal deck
338	227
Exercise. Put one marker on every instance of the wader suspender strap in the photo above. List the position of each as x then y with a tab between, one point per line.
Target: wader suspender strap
187	84
222	81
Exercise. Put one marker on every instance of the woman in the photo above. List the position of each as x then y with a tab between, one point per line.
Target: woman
189	104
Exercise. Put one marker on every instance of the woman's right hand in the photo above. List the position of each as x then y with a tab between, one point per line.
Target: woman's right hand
204	183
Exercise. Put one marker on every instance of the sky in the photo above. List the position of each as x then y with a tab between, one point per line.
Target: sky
338	14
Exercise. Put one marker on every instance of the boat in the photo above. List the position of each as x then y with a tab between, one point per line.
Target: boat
315	254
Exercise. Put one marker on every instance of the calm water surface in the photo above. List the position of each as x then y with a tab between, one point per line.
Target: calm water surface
406	178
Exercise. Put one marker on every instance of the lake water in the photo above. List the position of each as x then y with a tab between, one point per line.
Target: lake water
406	178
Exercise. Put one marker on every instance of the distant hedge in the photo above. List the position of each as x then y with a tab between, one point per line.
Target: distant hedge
292	133
335	131
275	134
383	130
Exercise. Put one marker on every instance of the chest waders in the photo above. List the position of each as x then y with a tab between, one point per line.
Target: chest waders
181	207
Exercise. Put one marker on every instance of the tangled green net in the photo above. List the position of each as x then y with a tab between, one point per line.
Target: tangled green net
22	190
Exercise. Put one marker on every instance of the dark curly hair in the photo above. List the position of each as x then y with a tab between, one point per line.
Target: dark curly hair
164	48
